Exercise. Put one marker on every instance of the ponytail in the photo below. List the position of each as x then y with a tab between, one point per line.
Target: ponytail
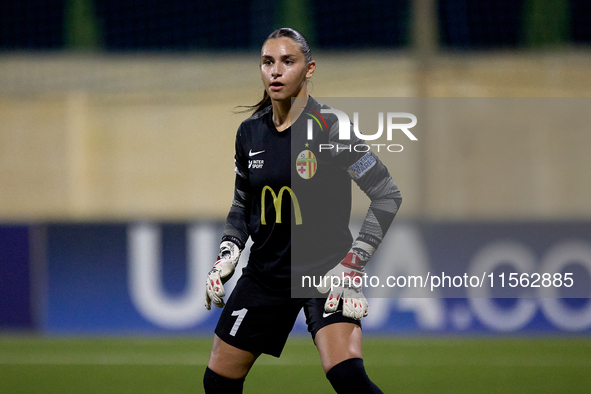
261	105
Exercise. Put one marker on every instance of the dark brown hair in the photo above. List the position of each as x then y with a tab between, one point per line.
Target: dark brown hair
304	48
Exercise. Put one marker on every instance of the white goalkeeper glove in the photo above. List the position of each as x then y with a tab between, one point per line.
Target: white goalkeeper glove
344	282
221	272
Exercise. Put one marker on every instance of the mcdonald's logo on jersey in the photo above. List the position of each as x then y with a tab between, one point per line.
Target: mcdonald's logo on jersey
277	198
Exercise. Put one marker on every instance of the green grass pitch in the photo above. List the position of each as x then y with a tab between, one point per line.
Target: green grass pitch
398	365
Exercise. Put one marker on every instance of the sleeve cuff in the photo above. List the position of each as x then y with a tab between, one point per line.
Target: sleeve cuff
235	240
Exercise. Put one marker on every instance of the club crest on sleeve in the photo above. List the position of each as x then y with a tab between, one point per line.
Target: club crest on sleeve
306	164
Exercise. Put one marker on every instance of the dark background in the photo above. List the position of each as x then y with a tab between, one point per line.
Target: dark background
188	25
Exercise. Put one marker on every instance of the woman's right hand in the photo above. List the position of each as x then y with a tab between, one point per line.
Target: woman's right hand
221	272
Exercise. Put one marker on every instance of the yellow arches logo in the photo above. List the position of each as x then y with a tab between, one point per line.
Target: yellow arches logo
277	203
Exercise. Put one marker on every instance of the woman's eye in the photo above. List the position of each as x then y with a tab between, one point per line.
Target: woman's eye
288	62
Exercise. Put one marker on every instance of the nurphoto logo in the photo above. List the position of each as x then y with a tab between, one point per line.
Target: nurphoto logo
344	124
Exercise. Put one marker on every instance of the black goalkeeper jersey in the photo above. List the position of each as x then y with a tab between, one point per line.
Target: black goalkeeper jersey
294	198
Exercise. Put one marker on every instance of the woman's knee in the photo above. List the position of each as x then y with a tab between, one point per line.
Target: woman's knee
338	342
229	361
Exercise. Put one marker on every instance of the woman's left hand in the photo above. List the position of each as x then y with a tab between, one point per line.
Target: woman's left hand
345	282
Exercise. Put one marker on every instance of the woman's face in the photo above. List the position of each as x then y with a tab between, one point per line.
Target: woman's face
284	69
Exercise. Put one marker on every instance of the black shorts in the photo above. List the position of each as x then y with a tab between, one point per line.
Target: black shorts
257	321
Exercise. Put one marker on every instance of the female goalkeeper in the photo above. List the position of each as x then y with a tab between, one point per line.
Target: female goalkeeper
277	161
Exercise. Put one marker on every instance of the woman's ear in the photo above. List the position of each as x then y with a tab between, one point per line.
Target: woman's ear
311	68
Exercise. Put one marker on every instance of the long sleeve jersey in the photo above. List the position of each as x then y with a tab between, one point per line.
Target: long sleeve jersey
293	196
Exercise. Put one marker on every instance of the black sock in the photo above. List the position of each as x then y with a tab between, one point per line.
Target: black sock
349	377
216	384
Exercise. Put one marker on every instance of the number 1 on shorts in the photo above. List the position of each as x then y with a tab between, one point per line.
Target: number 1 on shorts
241	313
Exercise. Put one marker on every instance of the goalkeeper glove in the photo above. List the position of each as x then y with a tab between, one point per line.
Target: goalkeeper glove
344	282
221	272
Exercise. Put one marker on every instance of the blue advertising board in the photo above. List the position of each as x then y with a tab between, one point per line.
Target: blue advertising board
117	278
15	285
148	278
